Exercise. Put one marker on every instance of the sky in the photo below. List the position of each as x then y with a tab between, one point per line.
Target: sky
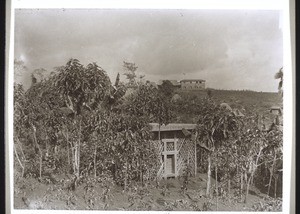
230	49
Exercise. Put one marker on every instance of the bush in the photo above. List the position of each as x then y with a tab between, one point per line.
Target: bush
269	204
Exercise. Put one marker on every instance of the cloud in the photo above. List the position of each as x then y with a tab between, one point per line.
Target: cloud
230	49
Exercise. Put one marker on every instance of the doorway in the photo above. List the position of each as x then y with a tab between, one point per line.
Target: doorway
170	164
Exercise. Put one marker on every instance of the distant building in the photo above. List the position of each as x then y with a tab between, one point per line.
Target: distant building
276	110
188	84
192	84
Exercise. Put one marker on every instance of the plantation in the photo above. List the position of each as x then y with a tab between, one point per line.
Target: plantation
84	142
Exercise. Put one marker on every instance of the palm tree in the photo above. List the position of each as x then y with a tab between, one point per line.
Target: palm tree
279	75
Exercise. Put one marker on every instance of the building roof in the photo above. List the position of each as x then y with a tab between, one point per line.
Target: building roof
276	108
172	127
189	80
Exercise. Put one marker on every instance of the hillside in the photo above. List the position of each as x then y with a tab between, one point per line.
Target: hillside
248	102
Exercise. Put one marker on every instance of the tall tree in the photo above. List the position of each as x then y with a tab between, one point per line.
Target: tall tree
279	75
216	126
20	70
129	71
82	89
167	88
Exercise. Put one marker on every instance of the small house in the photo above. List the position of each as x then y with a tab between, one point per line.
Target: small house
176	147
276	110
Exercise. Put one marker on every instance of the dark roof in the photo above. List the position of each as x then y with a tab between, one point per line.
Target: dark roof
276	108
188	80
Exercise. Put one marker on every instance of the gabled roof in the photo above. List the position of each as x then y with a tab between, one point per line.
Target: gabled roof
172	127
276	108
193	80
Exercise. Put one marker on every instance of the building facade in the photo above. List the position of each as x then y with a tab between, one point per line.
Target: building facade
192	84
176	147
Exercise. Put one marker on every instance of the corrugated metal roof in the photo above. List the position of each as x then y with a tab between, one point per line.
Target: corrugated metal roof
172	127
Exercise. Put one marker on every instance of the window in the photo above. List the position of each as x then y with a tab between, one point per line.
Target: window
170	146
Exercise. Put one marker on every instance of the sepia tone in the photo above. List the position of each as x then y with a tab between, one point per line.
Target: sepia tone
175	110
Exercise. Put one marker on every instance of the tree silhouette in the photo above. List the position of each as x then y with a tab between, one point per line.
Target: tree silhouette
279	75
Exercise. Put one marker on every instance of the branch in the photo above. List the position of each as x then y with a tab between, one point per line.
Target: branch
70	106
205	147
268	161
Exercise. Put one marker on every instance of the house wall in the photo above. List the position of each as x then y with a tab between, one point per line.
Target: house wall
183	149
192	85
275	111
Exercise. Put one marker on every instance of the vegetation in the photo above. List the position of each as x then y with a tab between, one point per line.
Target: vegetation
76	131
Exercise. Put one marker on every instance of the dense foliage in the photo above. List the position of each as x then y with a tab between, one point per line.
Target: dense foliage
77	123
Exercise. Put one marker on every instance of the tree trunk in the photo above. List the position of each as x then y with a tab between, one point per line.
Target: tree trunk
47	149
78	159
23	156
78	152
229	186
271	174
17	156
67	138
75	158
195	153
275	186
247	189
217	191
126	175
39	149
208	175
242	182
20	145
95	163
73	150
253	169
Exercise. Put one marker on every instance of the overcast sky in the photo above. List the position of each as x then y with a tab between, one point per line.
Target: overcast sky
230	49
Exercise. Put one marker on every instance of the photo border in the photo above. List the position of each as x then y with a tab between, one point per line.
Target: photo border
288	87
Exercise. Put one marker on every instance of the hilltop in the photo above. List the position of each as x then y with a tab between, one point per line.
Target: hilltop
248	102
